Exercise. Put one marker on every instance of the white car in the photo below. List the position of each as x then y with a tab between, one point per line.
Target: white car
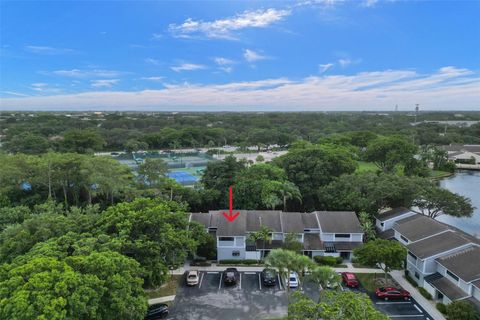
192	278
292	280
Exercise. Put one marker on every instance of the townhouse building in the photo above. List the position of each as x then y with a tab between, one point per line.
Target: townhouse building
321	233
440	258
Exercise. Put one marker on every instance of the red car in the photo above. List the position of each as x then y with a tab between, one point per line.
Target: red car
350	279
392	294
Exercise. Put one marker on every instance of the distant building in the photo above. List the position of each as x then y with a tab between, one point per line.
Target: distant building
467	154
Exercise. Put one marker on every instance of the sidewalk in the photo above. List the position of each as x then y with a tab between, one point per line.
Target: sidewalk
428	305
161	300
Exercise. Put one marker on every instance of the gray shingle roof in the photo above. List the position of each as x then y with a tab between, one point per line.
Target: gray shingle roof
437	244
202	218
464	264
418	227
339	222
312	241
235	228
292	222
309	220
449	289
270	219
392	213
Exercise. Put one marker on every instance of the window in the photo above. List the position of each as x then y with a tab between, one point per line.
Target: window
226	238
342	235
236	253
417	275
404	239
452	275
412	255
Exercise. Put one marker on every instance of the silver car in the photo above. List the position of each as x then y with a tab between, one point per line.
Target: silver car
192	278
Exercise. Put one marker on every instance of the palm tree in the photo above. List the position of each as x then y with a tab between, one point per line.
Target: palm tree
263	234
367	226
289	191
322	275
301	264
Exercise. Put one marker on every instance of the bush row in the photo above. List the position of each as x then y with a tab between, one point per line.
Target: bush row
425	293
442	308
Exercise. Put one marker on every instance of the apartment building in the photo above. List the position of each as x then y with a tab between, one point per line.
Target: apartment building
321	233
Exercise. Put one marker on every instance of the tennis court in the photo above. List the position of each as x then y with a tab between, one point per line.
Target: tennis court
182	177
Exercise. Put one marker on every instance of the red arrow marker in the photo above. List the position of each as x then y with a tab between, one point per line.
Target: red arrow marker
230	216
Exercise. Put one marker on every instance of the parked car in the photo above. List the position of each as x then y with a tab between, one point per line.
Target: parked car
157	311
292	280
192	278
269	277
230	276
391	293
350	280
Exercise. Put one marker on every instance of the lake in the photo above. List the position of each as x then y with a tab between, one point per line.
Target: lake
467	184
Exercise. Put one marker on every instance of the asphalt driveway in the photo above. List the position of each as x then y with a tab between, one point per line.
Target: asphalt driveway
211	299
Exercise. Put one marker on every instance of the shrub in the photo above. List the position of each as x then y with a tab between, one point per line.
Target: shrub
234	261
412	282
327	260
425	293
442	308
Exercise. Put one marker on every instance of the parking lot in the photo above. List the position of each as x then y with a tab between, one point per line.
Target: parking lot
398	310
250	299
211	299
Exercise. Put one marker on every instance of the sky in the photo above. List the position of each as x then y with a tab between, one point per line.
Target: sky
304	55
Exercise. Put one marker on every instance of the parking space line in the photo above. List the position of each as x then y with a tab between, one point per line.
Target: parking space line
220	283
400	302
279	282
416	307
259	281
406	316
201	279
213	272
240	281
250	272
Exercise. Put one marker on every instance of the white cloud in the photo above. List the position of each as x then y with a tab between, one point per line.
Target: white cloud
188	67
104	83
224	64
152	61
252	56
17	94
223	28
152	78
344	62
448	88
324	67
157	36
369	3
48	50
79	73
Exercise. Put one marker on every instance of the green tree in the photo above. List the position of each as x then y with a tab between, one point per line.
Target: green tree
83	140
385	254
291	243
264	235
368	225
28	143
434	201
312	167
323	276
153	169
462	310
387	152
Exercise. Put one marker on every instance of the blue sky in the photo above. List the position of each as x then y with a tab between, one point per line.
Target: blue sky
240	55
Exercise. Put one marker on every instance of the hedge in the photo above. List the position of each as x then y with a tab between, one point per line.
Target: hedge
328	260
234	261
412	282
442	308
425	293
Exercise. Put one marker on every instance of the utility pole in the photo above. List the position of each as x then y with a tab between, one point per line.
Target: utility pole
416	112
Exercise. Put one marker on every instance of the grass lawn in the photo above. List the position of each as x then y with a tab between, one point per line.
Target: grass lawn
436	174
371	281
168	289
366	167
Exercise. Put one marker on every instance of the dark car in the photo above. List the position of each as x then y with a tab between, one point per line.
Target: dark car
390	293
230	276
349	279
157	311
269	277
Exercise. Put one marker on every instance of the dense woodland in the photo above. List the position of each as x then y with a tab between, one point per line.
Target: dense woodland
87	235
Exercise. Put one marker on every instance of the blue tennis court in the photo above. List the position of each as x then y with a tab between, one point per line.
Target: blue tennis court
182	177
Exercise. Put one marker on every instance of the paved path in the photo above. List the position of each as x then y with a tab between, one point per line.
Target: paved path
161	300
428	305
